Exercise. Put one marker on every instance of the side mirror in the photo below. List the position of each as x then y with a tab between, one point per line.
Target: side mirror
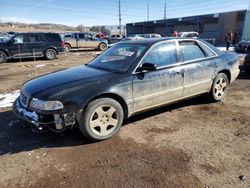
147	67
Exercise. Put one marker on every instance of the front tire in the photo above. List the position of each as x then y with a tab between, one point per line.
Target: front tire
3	57
102	46
102	119
219	88
50	54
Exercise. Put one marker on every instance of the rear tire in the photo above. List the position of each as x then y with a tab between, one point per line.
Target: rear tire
102	46
67	48
3	57
102	119
219	88
50	54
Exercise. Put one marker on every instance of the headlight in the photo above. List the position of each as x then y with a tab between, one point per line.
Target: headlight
45	105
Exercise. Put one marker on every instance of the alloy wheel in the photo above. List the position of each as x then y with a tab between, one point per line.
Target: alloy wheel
103	120
220	88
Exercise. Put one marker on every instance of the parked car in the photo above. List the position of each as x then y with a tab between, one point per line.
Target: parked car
128	78
114	38
242	46
152	35
247	62
26	45
189	34
85	40
132	38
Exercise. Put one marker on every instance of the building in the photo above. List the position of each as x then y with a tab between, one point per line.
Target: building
211	26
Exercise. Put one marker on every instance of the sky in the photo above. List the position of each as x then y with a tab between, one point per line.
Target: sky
105	12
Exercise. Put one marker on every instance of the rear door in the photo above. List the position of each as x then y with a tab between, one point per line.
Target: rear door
34	44
199	63
163	85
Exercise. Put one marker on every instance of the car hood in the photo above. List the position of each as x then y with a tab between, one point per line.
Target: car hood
65	77
2	43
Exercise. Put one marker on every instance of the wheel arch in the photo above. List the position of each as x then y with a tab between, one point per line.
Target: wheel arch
67	43
116	97
99	46
227	72
50	48
5	51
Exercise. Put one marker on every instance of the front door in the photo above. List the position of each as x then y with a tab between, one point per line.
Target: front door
17	46
163	85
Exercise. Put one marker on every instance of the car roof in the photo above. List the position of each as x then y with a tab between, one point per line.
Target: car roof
36	33
149	41
152	41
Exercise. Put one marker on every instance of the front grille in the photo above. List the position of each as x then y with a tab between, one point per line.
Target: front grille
24	99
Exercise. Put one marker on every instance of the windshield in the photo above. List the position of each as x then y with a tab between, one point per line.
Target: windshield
119	57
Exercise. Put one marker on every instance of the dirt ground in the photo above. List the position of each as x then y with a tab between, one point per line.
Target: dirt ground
192	144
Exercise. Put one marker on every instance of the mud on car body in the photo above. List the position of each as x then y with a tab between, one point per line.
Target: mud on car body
130	77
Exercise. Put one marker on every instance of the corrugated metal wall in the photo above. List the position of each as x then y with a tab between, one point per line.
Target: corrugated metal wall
246	31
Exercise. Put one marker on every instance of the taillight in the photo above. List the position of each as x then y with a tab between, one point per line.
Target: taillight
62	44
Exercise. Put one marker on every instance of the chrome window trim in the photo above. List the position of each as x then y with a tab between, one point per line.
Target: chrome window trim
178	53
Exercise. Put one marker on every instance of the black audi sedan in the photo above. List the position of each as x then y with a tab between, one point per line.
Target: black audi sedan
128	78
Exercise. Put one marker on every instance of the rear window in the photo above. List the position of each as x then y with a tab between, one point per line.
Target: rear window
191	50
32	37
52	37
208	52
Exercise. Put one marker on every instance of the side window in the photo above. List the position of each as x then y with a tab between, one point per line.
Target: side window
162	55
81	36
51	37
19	38
195	35
191	50
89	37
189	35
208	52
32	38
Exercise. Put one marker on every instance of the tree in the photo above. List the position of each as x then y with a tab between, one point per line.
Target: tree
105	31
81	28
96	29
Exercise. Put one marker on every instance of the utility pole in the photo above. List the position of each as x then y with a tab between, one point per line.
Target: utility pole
165	12
148	11
165	17
120	18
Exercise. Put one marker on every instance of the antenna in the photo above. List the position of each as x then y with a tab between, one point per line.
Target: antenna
120	19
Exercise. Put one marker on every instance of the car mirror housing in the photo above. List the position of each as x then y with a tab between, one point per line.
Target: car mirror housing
147	67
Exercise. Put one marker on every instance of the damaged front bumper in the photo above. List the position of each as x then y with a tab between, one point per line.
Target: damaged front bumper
56	122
